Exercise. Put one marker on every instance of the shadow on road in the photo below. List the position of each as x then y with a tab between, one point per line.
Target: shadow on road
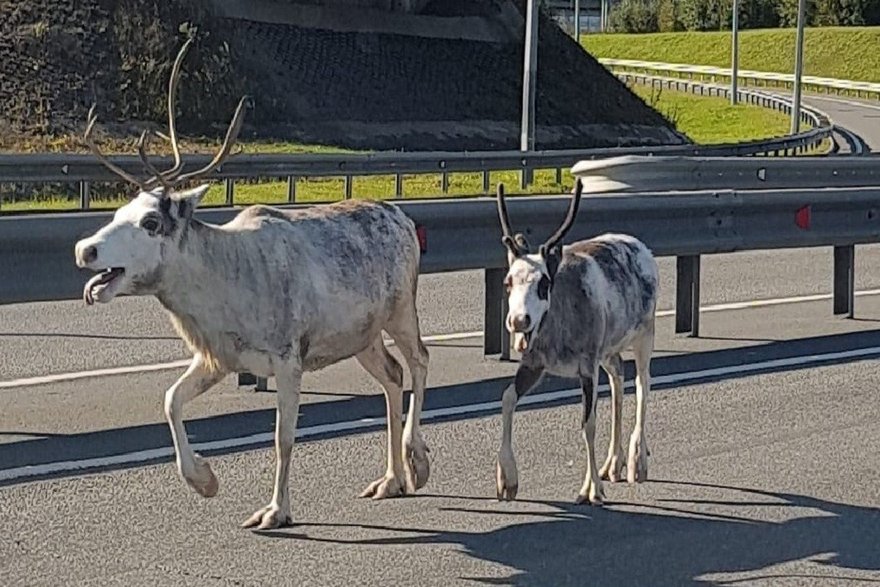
104	445
667	542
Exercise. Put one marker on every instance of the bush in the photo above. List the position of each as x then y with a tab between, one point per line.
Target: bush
635	16
669	16
639	16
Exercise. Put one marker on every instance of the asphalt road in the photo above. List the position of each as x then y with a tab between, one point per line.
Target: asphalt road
765	467
857	115
59	337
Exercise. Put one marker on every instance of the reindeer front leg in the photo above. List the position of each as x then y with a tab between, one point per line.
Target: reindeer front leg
277	513
196	380
612	470
592	488
506	475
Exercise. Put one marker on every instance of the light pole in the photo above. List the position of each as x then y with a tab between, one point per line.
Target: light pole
530	66
734	50
798	67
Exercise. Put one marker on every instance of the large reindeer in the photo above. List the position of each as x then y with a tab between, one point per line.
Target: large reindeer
573	309
272	292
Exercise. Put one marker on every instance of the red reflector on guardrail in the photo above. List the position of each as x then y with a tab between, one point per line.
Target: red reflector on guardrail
422	233
802	217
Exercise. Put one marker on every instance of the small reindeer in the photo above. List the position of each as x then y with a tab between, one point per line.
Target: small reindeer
272	292
572	309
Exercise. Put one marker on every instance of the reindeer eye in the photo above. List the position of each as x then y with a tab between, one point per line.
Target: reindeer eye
544	287
150	224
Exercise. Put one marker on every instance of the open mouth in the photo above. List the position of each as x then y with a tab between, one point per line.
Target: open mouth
102	287
521	340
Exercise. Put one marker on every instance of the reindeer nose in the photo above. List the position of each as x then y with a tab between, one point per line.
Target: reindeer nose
87	254
521	323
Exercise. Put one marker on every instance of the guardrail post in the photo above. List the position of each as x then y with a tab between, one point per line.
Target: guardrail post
347	187
291	189
687	295
844	280
85	195
259	383
230	191
485	182
496	339
398	185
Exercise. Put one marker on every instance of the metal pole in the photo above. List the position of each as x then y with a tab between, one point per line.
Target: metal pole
530	66
577	21
798	67
734	58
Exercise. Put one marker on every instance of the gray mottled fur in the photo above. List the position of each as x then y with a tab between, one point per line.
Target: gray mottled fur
322	282
604	294
276	293
602	302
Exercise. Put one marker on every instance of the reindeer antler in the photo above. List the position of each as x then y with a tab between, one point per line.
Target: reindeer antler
96	151
569	219
517	243
171	177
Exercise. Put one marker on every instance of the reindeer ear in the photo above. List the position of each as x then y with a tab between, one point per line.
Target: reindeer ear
194	196
522	242
188	200
511	245
552	258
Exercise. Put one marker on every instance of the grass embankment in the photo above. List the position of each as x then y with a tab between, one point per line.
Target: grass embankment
712	120
706	120
840	52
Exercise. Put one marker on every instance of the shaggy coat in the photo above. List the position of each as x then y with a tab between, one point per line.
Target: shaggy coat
573	309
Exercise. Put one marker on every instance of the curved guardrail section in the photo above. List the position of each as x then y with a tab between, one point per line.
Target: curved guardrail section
766	78
821	122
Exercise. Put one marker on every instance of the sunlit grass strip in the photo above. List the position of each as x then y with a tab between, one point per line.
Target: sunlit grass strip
321	190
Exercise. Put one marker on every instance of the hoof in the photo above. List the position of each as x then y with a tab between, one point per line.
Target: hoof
268	518
595	500
637	462
592	492
417	468
505	487
383	488
203	481
612	470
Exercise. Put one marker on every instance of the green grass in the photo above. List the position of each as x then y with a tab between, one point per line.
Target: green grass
711	120
332	189
841	52
706	120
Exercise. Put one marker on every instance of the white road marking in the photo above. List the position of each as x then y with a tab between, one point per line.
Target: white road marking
307	431
132	369
769	302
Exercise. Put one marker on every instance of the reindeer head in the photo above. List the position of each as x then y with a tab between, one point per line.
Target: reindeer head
529	278
128	253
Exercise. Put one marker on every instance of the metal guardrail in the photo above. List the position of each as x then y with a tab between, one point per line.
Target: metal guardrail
634	173
464	234
767	78
85	170
821	122
856	144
